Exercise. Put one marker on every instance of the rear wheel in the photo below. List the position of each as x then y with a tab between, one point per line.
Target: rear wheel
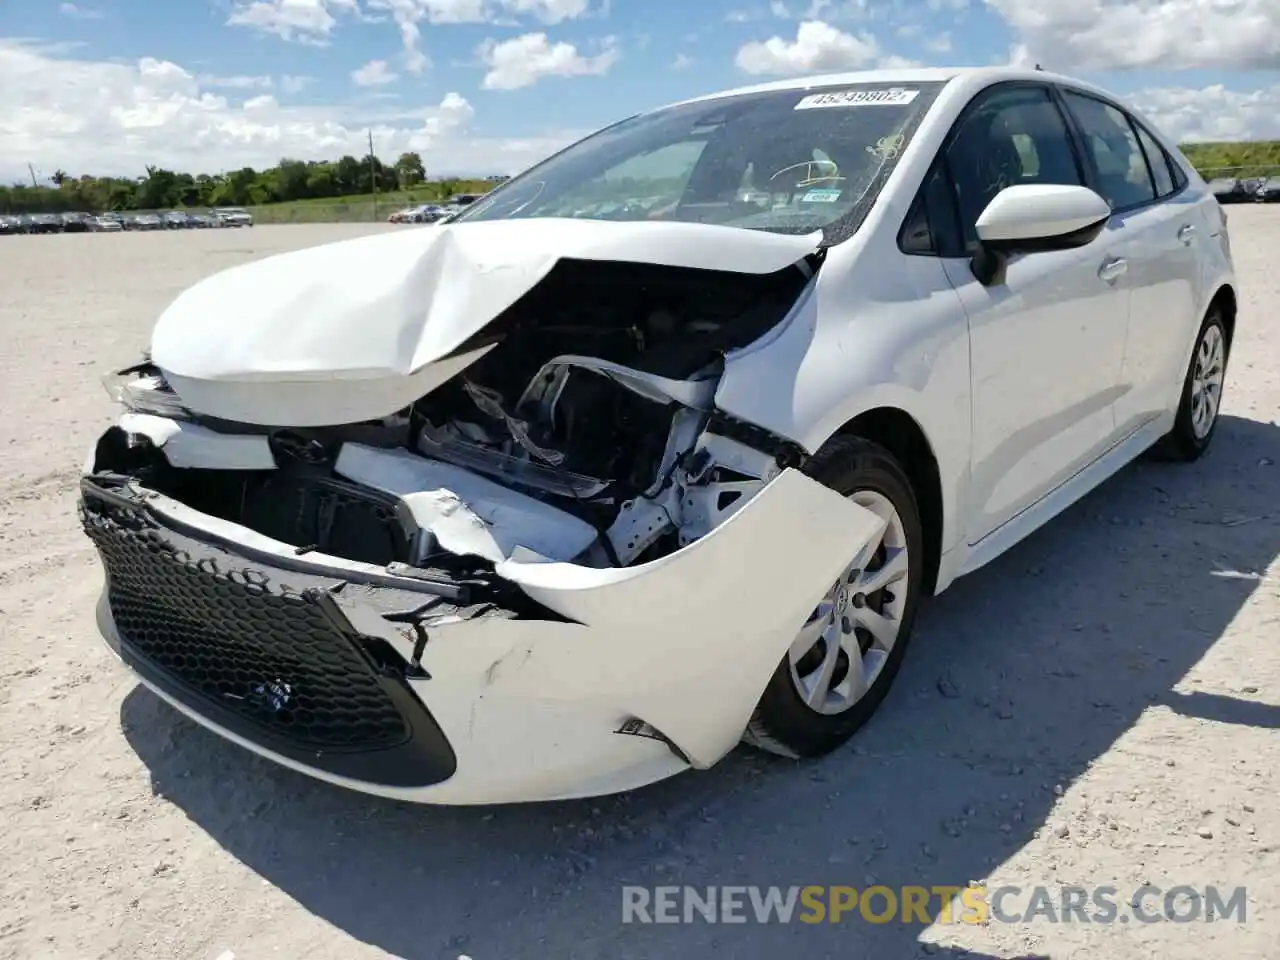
1197	416
847	654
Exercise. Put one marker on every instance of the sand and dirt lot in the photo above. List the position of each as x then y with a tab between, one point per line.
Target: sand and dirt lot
1097	708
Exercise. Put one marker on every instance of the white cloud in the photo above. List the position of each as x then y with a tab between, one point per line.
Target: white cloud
304	21
818	47
76	12
682	61
409	15
375	73
548	11
235	82
114	118
524	60
1212	113
1101	34
292	83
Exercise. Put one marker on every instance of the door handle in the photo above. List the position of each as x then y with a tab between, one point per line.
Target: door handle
1186	233
1113	269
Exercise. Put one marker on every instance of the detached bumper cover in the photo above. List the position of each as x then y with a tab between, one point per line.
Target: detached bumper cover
634	674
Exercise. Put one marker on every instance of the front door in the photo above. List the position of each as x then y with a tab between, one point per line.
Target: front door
1046	343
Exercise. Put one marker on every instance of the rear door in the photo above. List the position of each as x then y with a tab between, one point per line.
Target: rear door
1154	230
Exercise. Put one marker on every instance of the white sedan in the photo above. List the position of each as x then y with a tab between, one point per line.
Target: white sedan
545	504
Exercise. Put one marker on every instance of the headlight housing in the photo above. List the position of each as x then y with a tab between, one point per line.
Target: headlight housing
142	389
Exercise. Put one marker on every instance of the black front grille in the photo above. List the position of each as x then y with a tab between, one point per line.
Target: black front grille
267	654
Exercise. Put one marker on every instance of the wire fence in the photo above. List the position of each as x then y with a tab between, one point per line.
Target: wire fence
1255	172
367	211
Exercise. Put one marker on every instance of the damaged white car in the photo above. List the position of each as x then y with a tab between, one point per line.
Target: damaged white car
658	447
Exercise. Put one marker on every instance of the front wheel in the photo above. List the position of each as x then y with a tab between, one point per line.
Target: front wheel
847	654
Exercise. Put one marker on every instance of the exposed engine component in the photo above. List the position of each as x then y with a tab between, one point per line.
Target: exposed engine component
581	435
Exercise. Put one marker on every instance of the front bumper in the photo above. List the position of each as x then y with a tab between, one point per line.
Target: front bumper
634	675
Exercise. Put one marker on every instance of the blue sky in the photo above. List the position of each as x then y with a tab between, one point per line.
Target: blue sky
216	82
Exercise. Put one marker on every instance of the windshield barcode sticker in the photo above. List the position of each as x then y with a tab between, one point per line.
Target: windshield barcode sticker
895	97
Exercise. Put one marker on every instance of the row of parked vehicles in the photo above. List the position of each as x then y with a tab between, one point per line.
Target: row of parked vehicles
1252	190
434	212
114	222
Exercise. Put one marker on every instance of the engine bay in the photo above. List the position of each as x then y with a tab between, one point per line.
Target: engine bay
594	405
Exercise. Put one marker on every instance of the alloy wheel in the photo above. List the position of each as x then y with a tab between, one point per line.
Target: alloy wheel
843	647
1206	381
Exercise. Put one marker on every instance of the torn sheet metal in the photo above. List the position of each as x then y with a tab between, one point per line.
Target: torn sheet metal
357	321
467	514
548	383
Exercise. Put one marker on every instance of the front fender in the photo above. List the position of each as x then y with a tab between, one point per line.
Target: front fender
687	642
861	339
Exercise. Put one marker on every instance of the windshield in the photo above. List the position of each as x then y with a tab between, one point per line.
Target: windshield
790	161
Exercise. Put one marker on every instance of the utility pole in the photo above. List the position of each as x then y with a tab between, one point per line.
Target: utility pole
373	177
32	170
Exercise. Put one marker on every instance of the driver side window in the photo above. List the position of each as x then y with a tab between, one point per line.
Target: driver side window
1010	136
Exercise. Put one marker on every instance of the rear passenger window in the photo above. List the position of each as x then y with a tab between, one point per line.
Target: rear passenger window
1123	178
1159	160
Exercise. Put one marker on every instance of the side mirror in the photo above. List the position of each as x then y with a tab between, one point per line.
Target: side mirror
1036	218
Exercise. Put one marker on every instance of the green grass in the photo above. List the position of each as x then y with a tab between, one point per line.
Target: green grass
1253	159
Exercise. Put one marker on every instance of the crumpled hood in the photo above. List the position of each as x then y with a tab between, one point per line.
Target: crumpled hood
353	330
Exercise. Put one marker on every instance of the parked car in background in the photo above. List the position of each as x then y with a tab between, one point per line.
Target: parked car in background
423	213
1229	190
75	222
10	225
176	220
1268	191
627	493
201	221
104	224
44	223
232	217
148	221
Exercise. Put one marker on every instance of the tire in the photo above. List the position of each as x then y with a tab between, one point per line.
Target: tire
1188	440
783	722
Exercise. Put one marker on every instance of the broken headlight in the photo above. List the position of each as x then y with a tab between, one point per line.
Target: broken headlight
143	390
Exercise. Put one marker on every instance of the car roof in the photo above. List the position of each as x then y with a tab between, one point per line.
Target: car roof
974	77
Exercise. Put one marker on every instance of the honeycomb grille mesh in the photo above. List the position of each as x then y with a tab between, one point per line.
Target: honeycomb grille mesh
268	654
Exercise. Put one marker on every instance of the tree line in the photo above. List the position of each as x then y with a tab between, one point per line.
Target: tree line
348	176
288	180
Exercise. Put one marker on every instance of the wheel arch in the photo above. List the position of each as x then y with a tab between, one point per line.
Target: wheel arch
902	435
1224	300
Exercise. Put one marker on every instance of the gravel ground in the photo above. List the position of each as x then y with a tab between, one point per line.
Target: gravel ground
1096	708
